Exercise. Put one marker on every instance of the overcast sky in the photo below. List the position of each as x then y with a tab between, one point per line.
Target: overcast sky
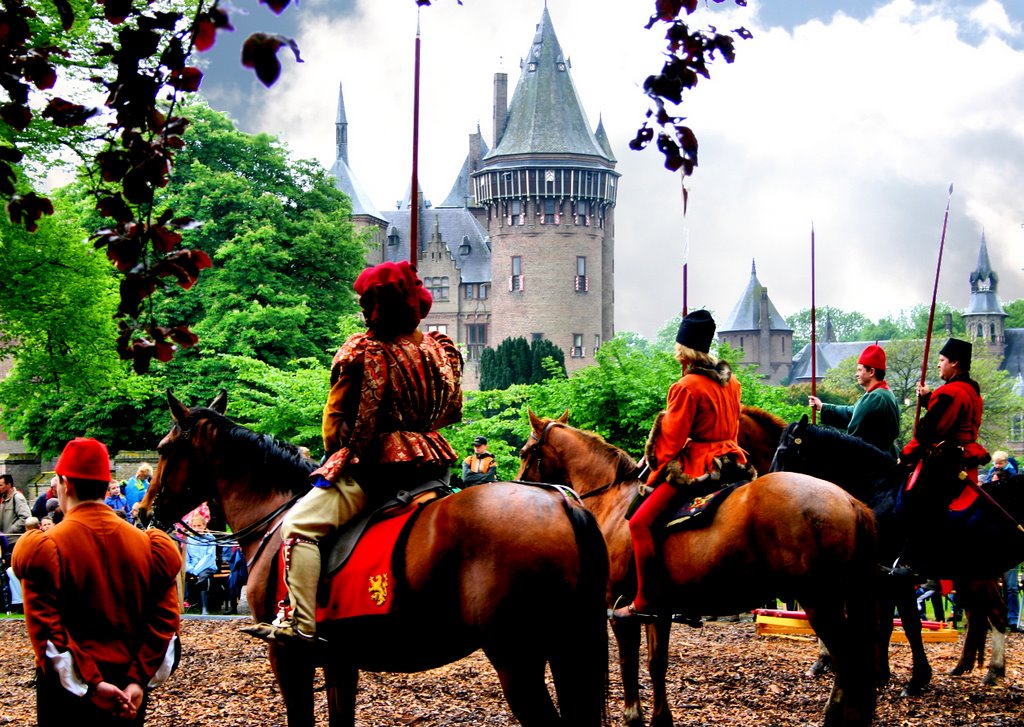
852	115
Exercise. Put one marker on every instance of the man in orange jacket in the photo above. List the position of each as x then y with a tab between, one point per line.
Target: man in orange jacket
101	603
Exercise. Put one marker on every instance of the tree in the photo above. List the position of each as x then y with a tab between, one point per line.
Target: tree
846	325
515	361
544	353
1014	314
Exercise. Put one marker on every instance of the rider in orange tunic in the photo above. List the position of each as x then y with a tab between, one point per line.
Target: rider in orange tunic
699	426
392	388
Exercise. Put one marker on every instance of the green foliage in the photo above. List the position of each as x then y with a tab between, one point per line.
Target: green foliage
846	325
1014	314
855	326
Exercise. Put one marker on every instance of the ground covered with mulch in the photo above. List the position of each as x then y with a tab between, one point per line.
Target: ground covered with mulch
721	674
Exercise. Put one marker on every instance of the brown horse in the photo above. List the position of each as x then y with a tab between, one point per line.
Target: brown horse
473	567
788	535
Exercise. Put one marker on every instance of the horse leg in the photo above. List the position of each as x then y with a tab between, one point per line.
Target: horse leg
921	671
294	672
973	651
342	682
657	666
822	664
886	606
579	669
997	665
627	637
522	681
849	632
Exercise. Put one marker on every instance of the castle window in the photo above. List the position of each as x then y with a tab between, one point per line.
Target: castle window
438	287
438	328
582	283
577	350
475	290
476	340
992	331
597	342
536	336
583	212
464	248
393	239
549	212
515	280
515	212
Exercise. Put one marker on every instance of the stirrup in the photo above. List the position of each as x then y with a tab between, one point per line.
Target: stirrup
629	613
279	633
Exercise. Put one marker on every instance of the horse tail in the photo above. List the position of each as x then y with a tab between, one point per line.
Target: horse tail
862	602
580	665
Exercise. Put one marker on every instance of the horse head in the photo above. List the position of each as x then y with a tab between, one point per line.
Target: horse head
539	461
179	483
790	452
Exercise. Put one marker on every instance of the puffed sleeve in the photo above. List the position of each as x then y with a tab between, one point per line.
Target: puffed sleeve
158	648
36	563
675	426
343	398
453	410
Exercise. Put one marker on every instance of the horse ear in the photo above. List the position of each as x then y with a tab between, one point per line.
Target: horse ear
535	421
178	411
564	419
803	422
220	402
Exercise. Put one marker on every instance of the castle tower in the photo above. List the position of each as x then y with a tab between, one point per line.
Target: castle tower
985	318
755	326
549	190
364	212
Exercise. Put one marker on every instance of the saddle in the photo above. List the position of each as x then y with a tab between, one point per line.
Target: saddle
360	562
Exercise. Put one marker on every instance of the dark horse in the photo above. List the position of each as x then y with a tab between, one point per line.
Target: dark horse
778	534
972	547
472	568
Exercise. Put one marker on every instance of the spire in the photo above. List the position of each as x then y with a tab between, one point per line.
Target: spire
753	308
545	115
602	139
341	129
983	277
753	268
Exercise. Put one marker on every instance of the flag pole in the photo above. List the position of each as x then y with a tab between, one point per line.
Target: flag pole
686	238
931	313
814	336
414	210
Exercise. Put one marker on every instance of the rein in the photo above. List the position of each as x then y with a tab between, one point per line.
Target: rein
540	456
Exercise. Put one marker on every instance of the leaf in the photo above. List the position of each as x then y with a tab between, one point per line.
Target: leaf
28	209
115	11
66	114
16	115
66	13
259	52
277	6
188	79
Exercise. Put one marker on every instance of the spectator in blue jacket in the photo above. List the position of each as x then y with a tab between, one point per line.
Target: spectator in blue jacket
136	486
116	501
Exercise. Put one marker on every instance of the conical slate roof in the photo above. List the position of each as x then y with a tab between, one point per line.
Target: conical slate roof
984	299
545	116
602	139
746	314
346	181
461	193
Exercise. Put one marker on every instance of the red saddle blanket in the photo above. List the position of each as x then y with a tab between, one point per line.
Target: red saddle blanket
365	585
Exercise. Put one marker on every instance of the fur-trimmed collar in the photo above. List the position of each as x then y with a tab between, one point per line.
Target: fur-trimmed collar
720	373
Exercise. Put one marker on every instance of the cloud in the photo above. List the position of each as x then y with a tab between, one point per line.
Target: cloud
856	123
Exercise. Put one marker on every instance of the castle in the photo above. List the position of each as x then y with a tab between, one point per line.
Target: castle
524	243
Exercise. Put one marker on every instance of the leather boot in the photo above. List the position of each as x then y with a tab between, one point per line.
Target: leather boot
302	575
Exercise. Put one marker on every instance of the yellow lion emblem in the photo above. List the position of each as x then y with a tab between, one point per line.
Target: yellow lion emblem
379	588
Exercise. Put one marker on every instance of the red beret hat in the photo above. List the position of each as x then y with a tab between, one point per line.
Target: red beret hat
85	459
392	281
873	357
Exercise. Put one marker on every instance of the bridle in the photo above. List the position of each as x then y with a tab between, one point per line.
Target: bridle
536	455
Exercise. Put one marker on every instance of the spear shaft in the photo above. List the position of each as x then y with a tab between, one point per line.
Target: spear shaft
931	313
414	210
814	337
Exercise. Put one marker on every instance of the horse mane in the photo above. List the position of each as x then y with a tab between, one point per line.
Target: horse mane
625	466
765	418
869	458
282	465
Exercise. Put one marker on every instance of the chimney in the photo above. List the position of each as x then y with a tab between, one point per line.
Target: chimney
500	105
476	145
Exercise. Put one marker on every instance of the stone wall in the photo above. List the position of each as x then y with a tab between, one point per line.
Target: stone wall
127	462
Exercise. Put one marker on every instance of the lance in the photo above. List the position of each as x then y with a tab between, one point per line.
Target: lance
931	313
814	337
686	236
414	211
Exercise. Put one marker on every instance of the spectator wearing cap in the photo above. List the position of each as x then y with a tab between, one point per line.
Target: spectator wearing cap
392	389
479	466
54	511
875	417
695	435
954	411
100	600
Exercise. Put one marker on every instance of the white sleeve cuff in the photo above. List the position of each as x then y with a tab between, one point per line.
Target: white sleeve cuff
167	666
65	667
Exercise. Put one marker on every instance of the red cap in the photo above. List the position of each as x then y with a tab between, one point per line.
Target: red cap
393	290
873	357
85	459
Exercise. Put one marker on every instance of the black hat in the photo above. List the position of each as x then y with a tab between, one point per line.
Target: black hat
958	351
696	331
479	440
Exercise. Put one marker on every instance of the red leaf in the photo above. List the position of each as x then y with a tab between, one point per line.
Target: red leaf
66	114
188	79
277	6
27	209
183	336
205	33
17	116
260	53
66	13
116	11
115	207
164	240
164	351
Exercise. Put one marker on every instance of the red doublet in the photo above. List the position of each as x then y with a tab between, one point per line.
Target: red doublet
102	591
954	414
